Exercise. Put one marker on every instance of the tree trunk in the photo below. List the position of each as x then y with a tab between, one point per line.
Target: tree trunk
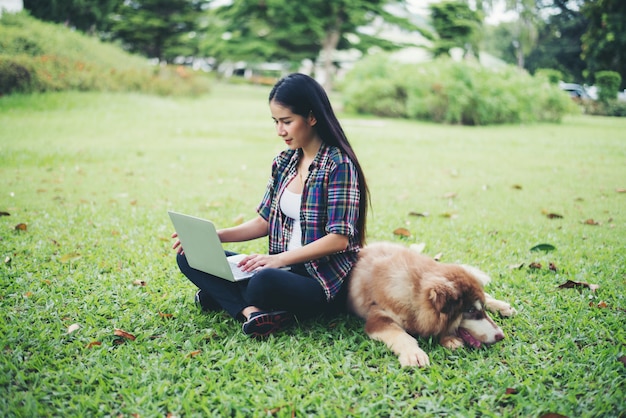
329	46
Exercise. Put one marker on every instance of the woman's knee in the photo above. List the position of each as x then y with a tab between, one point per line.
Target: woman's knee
183	265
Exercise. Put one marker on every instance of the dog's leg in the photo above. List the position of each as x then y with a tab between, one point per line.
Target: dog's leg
495	305
380	326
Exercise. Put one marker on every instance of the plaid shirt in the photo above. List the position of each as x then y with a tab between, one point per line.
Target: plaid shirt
330	204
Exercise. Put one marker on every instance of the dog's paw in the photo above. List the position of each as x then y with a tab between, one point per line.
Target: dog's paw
451	342
414	357
500	306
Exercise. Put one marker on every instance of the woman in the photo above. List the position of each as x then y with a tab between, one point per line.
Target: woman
314	211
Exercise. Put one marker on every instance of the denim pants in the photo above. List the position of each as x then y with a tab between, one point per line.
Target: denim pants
269	289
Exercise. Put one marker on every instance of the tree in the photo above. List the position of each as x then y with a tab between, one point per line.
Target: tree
157	28
559	45
85	15
457	26
604	42
294	30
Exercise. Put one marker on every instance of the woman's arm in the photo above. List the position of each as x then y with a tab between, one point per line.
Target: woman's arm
252	229
327	245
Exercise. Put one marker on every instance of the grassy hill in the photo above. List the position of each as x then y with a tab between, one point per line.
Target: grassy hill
36	56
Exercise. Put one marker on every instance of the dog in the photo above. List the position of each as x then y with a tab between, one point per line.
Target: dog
400	292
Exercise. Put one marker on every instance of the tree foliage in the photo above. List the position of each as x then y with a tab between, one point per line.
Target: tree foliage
272	30
85	15
157	28
456	26
604	42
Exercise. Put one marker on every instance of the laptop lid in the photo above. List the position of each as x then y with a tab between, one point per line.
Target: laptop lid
202	246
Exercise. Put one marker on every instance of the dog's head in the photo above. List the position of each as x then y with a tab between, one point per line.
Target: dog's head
460	297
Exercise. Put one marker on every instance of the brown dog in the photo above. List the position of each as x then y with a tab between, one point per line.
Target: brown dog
401	292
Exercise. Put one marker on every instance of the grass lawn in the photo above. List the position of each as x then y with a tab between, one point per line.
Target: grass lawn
91	177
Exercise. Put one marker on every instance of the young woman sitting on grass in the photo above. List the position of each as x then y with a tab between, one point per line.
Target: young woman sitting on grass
313	211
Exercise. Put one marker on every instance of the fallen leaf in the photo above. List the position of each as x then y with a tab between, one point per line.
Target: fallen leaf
419	214
139	282
124	334
28	294
403	232
193	353
66	258
591	222
511	391
166	315
570	284
449	215
622	359
21	227
72	328
7	260
2	213
552	267
554	216
516	266
620	190
93	344
535	265
438	256
517	187
543	247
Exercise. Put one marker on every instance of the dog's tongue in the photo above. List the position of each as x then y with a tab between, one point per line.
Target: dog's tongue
468	338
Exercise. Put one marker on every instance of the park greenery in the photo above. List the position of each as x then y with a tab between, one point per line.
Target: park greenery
576	37
453	92
96	319
36	56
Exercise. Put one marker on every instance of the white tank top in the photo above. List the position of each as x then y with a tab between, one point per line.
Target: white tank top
290	206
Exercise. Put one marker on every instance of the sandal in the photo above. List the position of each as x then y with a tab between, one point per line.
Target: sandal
262	324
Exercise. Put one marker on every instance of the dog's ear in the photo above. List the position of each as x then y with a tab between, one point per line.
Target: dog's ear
481	276
443	295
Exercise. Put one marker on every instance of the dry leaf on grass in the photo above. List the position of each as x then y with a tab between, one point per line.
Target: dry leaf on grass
438	256
591	222
570	284
21	227
402	232
72	328
94	344
193	353
66	258
126	335
139	282
166	315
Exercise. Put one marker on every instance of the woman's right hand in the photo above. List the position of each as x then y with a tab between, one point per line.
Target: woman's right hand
177	245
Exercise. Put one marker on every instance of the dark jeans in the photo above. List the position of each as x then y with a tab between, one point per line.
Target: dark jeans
269	289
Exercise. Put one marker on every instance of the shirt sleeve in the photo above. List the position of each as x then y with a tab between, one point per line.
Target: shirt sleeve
343	200
265	206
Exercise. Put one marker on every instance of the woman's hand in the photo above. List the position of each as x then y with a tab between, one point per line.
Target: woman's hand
255	262
177	245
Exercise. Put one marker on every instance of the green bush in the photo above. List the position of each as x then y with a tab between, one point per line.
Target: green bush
608	83
38	57
553	76
452	92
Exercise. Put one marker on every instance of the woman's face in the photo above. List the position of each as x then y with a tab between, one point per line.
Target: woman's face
297	131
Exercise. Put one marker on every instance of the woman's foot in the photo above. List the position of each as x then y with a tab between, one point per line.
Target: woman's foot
206	302
262	324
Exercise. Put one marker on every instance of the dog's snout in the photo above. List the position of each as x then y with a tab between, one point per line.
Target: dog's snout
499	337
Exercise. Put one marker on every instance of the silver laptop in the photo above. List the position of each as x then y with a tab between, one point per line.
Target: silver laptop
204	250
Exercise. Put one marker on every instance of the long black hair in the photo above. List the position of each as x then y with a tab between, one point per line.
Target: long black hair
303	96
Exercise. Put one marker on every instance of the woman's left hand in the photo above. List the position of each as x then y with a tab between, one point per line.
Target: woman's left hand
254	262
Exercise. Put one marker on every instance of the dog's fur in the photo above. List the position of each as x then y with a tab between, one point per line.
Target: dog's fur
399	292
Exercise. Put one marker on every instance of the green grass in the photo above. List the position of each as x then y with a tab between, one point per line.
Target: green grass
92	176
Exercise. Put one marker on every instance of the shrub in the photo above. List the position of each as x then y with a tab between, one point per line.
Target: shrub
608	83
553	76
38	57
452	92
